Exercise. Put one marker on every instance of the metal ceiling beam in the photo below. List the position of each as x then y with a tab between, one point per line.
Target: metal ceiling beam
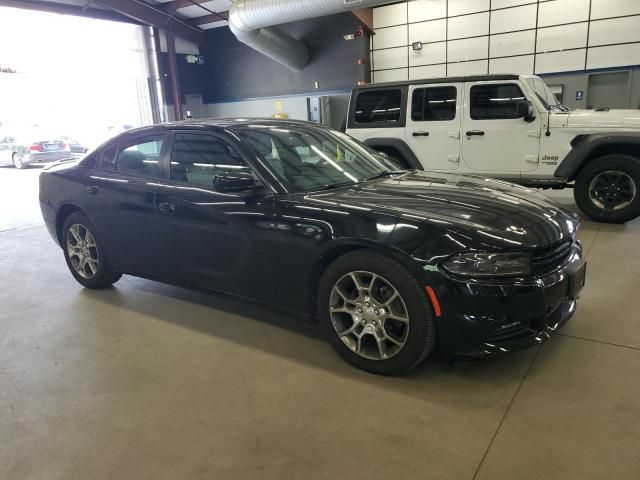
155	17
176	4
214	17
64	9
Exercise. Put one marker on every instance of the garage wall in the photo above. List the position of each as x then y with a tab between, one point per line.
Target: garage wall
465	37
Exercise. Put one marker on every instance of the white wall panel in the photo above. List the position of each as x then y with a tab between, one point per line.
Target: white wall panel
614	56
468	25
616	30
469	49
429	71
513	19
516	43
462	7
562	11
430	53
566	61
496	4
391	75
390	15
467	68
421	10
391	58
562	38
390	37
614	8
523	64
433	31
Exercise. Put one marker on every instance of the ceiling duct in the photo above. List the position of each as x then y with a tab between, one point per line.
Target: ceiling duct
253	21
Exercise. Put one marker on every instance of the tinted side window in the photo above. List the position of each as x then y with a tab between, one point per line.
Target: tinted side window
198	158
495	101
433	104
379	106
140	157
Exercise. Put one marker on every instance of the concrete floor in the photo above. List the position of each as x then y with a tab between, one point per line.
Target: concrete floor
146	381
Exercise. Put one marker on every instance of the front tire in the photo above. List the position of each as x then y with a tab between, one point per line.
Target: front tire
17	160
85	255
608	188
375	313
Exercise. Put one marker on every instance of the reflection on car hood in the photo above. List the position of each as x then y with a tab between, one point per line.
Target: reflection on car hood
504	213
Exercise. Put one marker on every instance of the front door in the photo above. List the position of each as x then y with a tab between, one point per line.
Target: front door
214	238
120	196
495	140
433	125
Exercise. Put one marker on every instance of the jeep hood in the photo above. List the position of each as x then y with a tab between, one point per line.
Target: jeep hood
614	119
495	212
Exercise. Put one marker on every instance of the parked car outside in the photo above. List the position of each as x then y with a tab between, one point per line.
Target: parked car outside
24	150
303	218
510	127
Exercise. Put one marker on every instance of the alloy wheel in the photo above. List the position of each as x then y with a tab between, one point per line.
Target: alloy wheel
82	251
369	315
612	190
17	160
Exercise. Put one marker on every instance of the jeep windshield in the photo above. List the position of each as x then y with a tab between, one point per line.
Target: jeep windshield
544	93
310	159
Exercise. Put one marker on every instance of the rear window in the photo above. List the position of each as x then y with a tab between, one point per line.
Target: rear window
433	104
379	106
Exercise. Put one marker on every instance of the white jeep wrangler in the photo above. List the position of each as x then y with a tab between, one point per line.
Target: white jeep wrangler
510	127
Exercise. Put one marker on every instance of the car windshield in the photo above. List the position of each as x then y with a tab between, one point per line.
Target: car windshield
309	159
544	93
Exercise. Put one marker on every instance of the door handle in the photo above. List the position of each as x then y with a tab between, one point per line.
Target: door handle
166	208
420	134
92	189
479	133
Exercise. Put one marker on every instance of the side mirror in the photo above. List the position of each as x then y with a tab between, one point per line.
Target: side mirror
233	182
525	111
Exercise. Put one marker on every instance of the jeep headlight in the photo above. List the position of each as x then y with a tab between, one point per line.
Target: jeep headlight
488	264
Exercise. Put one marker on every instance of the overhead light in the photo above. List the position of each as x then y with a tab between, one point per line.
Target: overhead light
416	46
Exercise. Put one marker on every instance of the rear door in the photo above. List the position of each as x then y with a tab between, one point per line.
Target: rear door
433	125
120	198
494	139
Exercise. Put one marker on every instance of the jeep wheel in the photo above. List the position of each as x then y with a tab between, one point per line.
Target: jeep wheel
608	188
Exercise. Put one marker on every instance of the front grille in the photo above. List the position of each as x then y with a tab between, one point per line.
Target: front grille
549	259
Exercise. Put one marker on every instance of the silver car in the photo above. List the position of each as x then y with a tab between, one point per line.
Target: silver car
31	150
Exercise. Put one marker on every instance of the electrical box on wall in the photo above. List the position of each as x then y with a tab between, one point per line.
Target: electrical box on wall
319	110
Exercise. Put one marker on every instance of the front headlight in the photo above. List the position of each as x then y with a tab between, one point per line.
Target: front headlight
488	264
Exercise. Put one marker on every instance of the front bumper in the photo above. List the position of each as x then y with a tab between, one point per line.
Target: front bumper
481	318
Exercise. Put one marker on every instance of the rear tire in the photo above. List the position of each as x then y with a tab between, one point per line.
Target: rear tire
17	160
608	188
367	326
85	255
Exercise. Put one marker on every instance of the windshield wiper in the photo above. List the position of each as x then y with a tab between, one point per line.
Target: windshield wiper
331	186
386	173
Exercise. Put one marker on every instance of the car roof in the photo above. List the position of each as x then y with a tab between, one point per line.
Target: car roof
426	81
217	124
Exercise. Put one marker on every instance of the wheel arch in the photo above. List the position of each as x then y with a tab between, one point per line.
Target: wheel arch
396	147
339	249
587	148
61	216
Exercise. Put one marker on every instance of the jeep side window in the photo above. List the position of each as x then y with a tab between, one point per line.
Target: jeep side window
378	106
433	104
495	101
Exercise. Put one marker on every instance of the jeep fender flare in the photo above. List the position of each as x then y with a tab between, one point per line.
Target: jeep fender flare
404	151
585	145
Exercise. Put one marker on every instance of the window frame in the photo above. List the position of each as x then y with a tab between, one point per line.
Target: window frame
137	140
402	121
493	84
434	87
237	148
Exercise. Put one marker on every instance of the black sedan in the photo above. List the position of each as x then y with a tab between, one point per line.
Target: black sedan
304	218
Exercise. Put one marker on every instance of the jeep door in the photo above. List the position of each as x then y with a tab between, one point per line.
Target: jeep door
496	139
433	125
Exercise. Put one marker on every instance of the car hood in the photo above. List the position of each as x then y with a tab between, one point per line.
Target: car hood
620	119
498	213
